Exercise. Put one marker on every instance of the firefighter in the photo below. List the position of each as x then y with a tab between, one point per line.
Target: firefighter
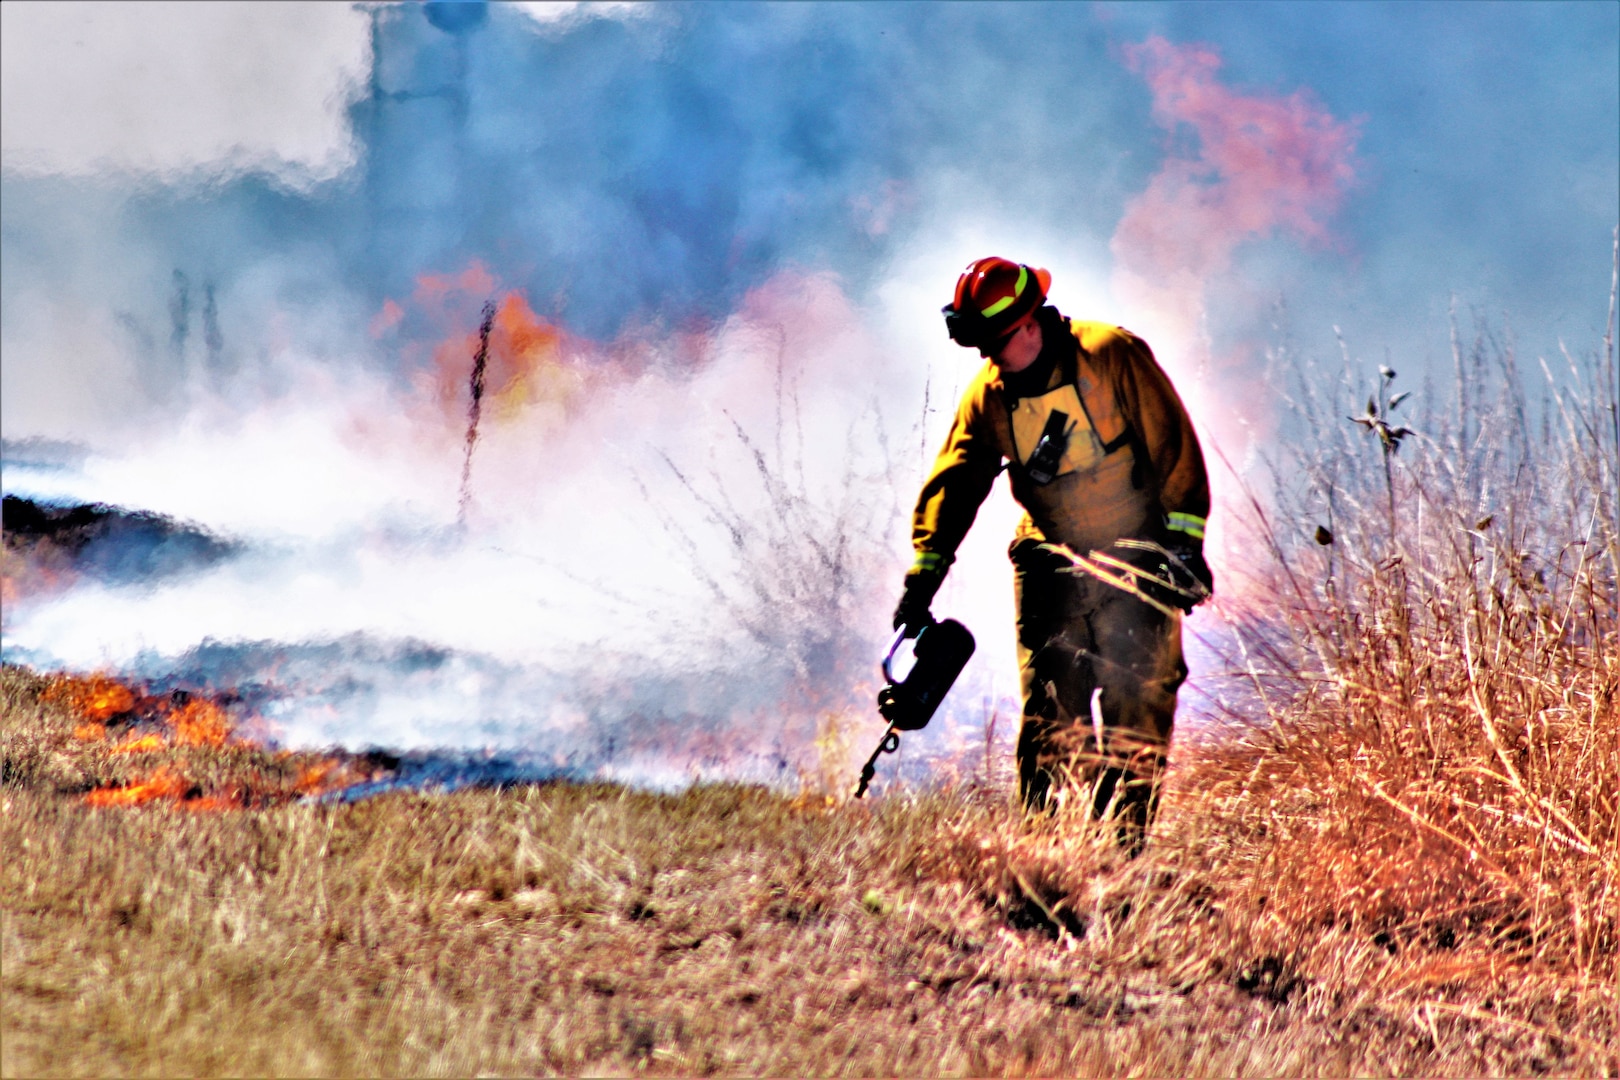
1108	554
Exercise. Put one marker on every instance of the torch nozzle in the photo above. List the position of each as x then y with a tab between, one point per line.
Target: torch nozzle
888	745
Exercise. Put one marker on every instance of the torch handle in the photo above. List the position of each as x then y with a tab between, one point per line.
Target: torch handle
900	635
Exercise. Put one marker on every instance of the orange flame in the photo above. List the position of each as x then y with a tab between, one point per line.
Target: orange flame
163	784
321	777
197	721
524	366
100	698
529	349
200	722
142	744
96	697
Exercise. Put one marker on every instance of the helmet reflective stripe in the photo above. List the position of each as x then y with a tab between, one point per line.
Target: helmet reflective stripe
1191	524
1007	301
992	295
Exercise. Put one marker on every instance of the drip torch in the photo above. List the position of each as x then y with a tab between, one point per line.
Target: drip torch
942	649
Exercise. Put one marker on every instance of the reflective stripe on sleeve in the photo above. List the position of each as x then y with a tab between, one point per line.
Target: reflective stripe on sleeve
1191	524
930	562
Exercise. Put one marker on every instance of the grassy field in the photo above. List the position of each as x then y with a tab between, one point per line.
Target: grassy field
1397	852
1284	921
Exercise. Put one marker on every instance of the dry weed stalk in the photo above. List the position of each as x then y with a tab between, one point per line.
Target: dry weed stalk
1453	681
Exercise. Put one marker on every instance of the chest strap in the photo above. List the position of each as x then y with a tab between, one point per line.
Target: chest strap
1069	369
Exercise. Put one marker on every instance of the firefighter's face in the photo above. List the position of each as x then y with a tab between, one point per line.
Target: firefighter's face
1018	349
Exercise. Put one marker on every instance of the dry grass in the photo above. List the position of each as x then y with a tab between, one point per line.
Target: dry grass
552	929
578	929
1400	854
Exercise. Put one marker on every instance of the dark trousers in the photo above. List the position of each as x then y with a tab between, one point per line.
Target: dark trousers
1088	652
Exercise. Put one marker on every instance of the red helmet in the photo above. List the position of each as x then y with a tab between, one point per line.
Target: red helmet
991	295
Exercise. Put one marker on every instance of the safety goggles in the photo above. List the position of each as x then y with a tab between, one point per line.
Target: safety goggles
994	348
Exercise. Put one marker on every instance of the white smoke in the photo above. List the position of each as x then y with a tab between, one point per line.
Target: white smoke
714	544
172	88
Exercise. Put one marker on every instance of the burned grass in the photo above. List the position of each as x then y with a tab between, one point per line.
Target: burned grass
126	747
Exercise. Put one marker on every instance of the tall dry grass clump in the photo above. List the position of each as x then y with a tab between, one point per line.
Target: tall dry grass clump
1450	670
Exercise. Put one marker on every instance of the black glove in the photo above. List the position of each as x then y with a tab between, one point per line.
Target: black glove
1180	579
1191	555
912	612
1033	557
